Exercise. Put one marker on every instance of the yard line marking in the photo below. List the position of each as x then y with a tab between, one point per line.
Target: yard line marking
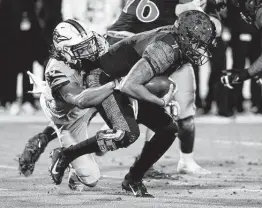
8	167
239	142
245	143
111	177
1	189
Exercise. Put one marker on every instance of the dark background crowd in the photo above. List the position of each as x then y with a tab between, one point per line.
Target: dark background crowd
26	33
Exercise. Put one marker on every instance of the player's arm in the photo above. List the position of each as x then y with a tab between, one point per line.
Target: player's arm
255	68
232	76
157	57
133	83
73	94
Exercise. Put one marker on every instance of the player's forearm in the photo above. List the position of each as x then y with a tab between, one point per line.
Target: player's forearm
139	92
256	67
93	96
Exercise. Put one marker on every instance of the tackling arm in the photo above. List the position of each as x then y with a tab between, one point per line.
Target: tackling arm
75	95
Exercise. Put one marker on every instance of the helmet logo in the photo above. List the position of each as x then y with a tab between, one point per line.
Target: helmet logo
58	37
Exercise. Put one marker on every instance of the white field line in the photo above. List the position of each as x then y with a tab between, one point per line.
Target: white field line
8	167
244	143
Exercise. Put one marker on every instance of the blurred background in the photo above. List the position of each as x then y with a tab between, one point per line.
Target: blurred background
26	33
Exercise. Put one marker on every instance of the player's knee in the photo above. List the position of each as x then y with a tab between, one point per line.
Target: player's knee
87	176
187	123
113	139
170	130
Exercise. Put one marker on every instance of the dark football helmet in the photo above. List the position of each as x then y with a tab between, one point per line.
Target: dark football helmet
196	35
248	9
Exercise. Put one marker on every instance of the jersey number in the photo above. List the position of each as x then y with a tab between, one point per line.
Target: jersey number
153	12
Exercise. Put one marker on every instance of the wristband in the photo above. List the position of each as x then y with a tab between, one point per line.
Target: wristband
244	75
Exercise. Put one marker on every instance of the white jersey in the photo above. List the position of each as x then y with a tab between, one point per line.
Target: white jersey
59	74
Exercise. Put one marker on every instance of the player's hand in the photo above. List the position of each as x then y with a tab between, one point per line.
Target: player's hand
258	80
170	94
38	84
230	78
174	109
117	83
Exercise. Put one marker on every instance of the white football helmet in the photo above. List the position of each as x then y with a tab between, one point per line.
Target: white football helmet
74	41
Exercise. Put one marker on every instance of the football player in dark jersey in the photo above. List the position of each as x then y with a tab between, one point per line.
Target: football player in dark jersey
139	16
251	12
138	59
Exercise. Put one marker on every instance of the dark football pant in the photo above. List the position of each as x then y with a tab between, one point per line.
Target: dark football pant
118	114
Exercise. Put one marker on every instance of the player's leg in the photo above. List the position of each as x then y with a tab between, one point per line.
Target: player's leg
119	116
84	170
36	145
33	149
165	130
152	172
185	96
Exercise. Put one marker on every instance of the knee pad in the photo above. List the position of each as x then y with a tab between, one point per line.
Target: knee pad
112	139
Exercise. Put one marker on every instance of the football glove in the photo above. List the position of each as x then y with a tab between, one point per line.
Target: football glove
232	77
258	80
170	94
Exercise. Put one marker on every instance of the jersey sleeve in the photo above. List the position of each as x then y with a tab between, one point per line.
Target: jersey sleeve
56	78
162	54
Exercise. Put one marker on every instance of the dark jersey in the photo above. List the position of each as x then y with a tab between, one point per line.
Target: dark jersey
159	47
143	15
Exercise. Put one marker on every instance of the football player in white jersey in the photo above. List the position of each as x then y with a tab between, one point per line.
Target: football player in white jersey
66	101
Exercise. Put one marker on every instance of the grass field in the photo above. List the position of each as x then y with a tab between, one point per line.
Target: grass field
231	150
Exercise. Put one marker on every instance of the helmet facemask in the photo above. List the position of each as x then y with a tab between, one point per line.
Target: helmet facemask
90	48
196	35
195	51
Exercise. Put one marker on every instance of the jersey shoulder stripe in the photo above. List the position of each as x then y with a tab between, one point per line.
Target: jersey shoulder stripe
55	75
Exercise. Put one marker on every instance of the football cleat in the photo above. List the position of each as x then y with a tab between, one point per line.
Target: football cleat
58	165
32	151
135	187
